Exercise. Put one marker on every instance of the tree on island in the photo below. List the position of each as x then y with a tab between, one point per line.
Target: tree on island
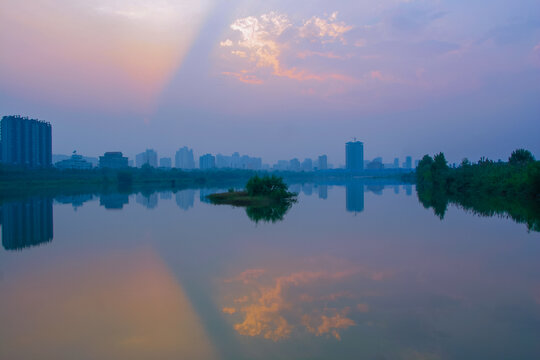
272	186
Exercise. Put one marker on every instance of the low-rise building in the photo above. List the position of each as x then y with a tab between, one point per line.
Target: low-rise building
76	162
113	160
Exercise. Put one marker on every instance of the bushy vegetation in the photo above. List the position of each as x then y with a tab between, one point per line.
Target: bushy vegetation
487	188
268	185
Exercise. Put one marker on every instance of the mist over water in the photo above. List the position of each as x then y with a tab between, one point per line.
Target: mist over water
353	270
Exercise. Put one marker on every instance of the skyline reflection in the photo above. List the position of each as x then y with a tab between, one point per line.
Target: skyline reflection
27	223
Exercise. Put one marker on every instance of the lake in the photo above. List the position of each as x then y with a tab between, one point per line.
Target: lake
353	271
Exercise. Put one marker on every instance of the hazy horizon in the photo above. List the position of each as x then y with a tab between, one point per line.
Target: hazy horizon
276	80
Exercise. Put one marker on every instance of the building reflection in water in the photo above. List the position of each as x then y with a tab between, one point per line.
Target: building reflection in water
165	195
185	199
150	201
27	223
75	200
355	196
115	201
396	189
295	188
204	192
323	191
408	189
307	189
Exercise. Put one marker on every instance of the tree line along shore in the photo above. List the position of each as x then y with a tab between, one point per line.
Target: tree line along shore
487	188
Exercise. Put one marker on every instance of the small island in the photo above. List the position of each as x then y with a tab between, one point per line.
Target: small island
259	191
266	198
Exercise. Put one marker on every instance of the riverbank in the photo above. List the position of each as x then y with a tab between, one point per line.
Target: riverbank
486	188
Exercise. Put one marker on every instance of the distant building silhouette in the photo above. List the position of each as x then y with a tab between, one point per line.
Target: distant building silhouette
408	163
165	162
376	164
114	201
323	162
354	155
184	159
27	223
75	162
207	161
25	142
354	196
294	165
307	165
235	161
396	163
185	199
281	165
113	160
148	157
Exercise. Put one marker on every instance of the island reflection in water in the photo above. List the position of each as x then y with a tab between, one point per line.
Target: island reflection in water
353	270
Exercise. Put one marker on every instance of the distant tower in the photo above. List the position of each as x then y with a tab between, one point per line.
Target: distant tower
184	158
323	162
25	142
354	155
148	157
207	161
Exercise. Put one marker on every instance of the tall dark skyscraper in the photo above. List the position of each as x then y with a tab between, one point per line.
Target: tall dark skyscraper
27	223
25	142
354	155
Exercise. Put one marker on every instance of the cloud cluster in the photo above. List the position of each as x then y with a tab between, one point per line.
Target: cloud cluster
266	41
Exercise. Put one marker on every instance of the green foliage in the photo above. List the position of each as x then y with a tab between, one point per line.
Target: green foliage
520	157
272	186
486	188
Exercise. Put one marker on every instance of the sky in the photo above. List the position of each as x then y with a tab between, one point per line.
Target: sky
276	79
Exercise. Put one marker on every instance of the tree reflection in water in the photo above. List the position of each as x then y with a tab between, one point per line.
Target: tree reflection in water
271	213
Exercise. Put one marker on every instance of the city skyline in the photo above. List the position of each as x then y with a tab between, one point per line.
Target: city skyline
409	78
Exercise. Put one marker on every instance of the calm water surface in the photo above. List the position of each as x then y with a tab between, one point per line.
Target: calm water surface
352	272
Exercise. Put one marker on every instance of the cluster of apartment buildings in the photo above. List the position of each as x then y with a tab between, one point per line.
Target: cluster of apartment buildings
28	142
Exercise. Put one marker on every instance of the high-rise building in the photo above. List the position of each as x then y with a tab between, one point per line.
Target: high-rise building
294	165
113	160
207	161
184	158
354	155
396	163
148	157
408	163
323	162
307	165
25	142
165	162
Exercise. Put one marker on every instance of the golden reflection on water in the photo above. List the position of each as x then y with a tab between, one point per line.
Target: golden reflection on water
275	304
121	306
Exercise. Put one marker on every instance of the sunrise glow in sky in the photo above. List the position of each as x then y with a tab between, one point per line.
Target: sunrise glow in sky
277	79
